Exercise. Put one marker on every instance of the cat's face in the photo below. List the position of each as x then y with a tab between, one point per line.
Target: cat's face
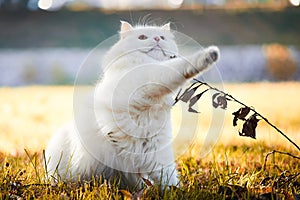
155	42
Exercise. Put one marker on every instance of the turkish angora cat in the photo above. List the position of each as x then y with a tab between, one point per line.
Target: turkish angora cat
129	134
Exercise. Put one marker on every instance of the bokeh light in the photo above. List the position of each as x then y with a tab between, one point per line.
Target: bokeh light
295	2
45	4
175	3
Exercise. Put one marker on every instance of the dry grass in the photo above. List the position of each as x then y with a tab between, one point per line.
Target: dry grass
233	170
30	115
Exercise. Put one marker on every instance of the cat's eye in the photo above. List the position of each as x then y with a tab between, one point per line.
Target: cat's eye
143	37
162	37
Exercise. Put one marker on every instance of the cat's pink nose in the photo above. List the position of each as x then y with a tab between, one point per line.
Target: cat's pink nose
156	38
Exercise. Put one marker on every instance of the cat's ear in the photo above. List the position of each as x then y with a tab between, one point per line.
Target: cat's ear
166	26
125	27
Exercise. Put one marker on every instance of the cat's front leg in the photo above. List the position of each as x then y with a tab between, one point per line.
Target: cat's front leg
179	70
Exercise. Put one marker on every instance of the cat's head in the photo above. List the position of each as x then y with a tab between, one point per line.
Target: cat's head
156	42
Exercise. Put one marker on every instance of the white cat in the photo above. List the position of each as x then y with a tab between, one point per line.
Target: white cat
125	131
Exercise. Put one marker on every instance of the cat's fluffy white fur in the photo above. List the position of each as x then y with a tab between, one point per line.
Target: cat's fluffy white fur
128	135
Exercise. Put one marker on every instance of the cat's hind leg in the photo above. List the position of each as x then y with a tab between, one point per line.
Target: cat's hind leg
166	177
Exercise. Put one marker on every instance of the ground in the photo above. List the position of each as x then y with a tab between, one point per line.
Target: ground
236	168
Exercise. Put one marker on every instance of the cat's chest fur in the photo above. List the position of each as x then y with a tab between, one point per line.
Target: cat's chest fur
133	120
136	127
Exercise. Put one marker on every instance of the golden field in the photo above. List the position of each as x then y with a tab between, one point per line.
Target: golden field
30	115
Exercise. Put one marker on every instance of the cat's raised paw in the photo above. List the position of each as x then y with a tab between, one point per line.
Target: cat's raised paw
213	53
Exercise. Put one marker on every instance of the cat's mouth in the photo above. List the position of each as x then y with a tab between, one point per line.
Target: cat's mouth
156	47
152	52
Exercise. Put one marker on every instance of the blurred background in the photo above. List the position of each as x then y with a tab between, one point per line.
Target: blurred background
45	41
